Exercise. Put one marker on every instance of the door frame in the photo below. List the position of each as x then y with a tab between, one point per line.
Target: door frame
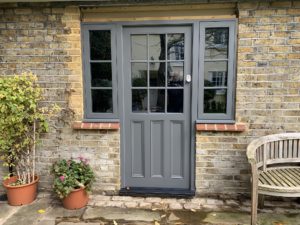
193	109
133	182
195	57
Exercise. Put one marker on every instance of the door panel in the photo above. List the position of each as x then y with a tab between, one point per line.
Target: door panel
157	108
138	149
177	149
157	148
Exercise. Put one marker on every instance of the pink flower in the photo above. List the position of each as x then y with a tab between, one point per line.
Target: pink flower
62	178
86	161
83	160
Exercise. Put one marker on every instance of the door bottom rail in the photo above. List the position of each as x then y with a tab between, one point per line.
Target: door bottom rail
157	192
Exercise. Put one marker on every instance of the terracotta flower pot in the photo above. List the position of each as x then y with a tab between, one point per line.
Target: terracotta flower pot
21	194
76	199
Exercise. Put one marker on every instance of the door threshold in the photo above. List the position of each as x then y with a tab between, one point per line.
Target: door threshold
157	192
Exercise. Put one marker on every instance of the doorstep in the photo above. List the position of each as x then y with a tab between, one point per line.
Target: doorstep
53	214
280	205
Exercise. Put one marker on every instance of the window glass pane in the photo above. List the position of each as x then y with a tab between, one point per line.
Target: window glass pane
157	100
215	100
101	74
175	46
175	74
139	47
216	43
157	47
102	101
175	100
139	100
157	74
215	74
139	74
100	45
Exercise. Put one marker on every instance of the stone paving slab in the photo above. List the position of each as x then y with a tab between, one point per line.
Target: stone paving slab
28	214
55	214
6	210
71	223
121	214
57	211
46	222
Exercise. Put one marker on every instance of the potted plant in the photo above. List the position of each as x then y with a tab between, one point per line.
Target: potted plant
73	180
21	123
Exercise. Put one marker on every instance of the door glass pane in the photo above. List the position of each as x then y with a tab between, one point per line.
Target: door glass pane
157	47
157	100
101	74
175	46
215	74
175	74
139	100
175	100
157	74
139	47
102	101
139	74
215	100
100	45
216	43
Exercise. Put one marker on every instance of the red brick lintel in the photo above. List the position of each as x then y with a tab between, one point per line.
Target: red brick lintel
221	127
96	126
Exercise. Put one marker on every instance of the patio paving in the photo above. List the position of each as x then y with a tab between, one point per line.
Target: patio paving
49	212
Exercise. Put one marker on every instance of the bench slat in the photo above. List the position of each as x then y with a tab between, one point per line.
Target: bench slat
295	175
274	174
296	172
287	178
271	179
292	177
267	179
263	180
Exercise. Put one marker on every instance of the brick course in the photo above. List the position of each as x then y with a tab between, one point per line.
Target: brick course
45	39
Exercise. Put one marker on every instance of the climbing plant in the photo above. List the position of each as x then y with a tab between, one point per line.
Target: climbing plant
22	121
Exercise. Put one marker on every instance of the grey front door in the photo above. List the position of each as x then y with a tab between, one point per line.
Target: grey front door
157	124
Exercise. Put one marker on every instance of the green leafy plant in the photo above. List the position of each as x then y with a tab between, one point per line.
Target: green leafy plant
70	175
21	123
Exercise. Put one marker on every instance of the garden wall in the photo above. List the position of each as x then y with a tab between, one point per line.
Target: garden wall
45	39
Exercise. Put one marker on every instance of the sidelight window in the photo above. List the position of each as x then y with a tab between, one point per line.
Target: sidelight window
100	72
217	71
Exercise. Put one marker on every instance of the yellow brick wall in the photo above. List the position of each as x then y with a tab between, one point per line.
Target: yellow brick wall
45	39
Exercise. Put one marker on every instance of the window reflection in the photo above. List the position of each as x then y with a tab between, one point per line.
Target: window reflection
139	101
157	100
175	74
215	74
100	45
175	46
216	43
101	74
175	101
157	74
139	47
215	100
102	101
139	74
157	47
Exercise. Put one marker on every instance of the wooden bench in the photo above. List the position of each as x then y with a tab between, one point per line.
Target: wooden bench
275	167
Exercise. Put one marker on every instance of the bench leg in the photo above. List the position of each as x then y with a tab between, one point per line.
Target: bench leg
261	201
254	201
254	209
